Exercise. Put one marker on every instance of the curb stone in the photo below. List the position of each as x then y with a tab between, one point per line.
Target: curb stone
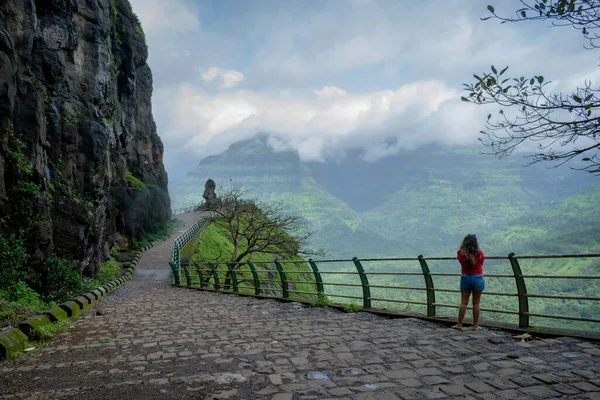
14	341
33	323
56	314
71	308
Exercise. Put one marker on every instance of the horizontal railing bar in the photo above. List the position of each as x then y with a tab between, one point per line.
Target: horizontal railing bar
400	301
481	309
342	284
395	273
594	255
288	272
397	287
561	276
557	296
338	272
486	293
345	297
486	275
566	317
302	292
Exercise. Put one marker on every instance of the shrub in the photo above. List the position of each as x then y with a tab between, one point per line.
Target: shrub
159	231
321	301
108	271
13	261
58	280
134	182
352	307
19	303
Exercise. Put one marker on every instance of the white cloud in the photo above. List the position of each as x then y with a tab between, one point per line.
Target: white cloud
329	92
159	17
207	122
229	77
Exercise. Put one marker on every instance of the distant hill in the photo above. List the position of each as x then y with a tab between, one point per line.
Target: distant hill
417	202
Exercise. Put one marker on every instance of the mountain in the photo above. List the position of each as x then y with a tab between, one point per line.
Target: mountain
280	176
416	202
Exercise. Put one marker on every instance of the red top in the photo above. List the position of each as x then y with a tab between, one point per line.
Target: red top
476	269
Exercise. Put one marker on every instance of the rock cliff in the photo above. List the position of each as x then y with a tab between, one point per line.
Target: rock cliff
80	159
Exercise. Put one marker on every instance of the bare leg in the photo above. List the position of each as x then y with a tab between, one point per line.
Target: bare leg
476	299
464	302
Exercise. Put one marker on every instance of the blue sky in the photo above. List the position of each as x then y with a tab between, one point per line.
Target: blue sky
326	76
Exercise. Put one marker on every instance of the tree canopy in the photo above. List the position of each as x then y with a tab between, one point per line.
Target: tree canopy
565	126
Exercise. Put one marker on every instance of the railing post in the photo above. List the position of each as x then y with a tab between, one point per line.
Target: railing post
284	283
429	286
200	276
175	272
318	279
176	259
364	282
215	273
521	291
187	275
254	278
233	276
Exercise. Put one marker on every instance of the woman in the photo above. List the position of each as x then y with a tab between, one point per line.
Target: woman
471	259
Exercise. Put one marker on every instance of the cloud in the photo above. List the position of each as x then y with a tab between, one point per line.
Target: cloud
373	75
161	17
329	92
206	124
229	77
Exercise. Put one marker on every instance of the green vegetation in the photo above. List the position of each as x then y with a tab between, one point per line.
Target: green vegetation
25	292
158	232
134	182
321	300
215	246
48	331
352	308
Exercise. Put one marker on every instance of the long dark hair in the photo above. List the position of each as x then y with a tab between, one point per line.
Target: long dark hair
469	248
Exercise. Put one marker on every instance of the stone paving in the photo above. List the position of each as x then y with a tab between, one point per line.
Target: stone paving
148	340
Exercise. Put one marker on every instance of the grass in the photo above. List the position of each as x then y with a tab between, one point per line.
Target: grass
352	308
320	301
48	331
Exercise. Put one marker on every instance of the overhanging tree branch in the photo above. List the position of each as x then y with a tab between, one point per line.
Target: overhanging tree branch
564	126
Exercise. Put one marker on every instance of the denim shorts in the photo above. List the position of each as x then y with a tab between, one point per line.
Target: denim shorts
472	283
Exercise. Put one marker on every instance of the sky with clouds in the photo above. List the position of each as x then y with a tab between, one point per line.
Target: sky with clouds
325	76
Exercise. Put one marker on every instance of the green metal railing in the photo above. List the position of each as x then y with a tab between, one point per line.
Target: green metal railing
181	241
307	280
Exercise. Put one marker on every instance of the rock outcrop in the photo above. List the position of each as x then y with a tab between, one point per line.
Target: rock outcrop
209	195
80	159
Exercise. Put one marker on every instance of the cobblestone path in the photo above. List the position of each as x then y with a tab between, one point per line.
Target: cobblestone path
152	341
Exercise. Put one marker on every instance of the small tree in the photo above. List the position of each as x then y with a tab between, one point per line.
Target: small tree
256	227
564	126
